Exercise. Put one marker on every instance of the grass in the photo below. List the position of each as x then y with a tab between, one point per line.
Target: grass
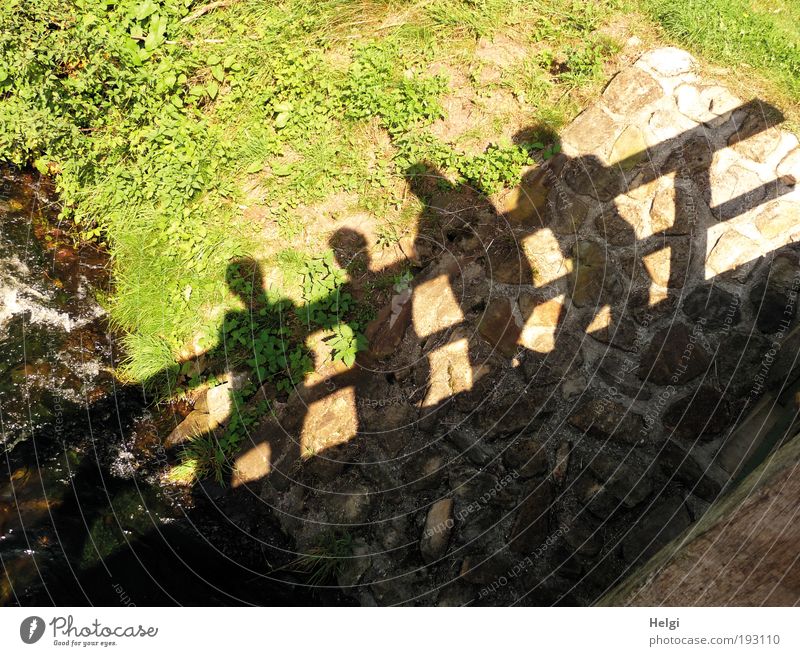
323	563
762	35
200	457
184	146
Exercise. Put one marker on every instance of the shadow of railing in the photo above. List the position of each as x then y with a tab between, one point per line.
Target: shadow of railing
674	266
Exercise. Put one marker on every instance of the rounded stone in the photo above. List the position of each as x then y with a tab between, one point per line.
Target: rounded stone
789	168
631	91
669	62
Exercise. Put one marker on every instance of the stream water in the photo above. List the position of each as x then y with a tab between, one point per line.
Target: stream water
84	516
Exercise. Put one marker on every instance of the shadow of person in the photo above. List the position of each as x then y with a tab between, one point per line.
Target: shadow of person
568	210
339	416
575	209
100	538
252	346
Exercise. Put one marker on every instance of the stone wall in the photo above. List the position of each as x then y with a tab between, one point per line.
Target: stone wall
557	394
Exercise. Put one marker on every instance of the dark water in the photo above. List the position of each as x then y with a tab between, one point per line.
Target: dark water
84	516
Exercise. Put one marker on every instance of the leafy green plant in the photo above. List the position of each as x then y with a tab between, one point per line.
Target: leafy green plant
402	281
495	168
386	236
326	306
346	343
322	282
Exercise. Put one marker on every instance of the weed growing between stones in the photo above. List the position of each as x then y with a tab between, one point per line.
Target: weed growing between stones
327	560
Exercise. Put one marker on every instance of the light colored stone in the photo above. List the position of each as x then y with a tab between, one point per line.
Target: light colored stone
631	91
731	250
642	190
754	140
669	62
588	132
734	192
544	255
435	307
219	402
789	168
541	313
629	149
779	219
196	423
438	527
252	465
706	104
330	421
541	320
450	371
601	320
667	124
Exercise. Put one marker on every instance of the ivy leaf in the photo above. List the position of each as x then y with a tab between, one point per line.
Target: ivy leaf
218	72
212	88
